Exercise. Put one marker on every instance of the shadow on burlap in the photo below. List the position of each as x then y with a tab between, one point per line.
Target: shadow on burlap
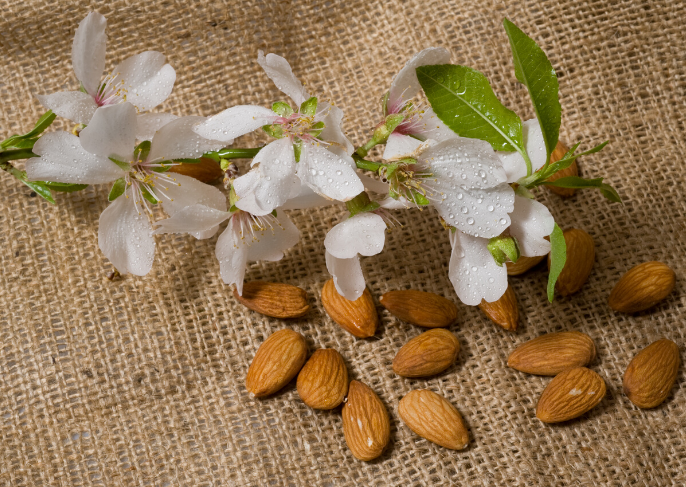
140	381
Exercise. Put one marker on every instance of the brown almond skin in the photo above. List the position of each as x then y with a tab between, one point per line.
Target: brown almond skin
366	425
277	361
642	287
504	311
579	264
523	264
206	170
650	376
323	381
572	170
427	354
274	299
420	308
569	395
357	317
432	417
552	353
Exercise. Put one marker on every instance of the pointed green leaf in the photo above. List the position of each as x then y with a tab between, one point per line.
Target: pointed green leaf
558	257
534	70
465	102
117	190
41	190
20	141
309	107
282	108
65	187
297	149
148	196
610	193
275	130
141	151
123	164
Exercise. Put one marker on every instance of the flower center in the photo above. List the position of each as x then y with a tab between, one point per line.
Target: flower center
300	126
410	180
145	185
249	228
110	92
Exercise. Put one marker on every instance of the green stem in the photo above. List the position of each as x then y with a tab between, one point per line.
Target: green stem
364	150
238	153
529	167
13	155
365	164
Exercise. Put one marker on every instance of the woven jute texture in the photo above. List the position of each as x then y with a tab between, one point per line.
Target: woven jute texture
140	381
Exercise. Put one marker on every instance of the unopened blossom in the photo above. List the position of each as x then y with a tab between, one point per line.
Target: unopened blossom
144	80
103	153
246	238
324	151
362	234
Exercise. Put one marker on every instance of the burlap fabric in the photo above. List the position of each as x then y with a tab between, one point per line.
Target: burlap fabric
141	381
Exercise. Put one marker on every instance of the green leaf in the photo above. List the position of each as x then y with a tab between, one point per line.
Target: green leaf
309	107
141	151
117	190
317	129
558	257
610	193
275	130
297	149
40	188
579	183
534	70
122	164
148	196
465	102
419	199
65	187
21	141
282	108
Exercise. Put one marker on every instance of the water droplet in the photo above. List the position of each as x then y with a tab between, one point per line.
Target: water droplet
470	221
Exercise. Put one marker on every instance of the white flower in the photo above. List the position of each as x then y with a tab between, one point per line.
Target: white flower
144	80
419	122
104	152
246	238
362	234
325	164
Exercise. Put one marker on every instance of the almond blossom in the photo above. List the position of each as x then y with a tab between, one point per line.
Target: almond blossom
105	152
144	80
310	149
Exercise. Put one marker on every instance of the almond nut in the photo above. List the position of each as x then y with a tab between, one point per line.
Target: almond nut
523	264
427	354
277	361
274	299
432	417
651	374
572	170
569	395
206	170
366	425
552	353
323	381
580	260
642	287
504	311
358	317
420	308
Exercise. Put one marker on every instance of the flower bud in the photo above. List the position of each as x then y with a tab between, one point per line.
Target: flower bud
503	248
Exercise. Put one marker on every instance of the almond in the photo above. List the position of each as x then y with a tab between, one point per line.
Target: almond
427	354
432	417
572	170
323	381
651	374
420	308
523	264
366	425
276	362
552	353
358	317
569	395
504	311
274	299
580	260
642	287
206	170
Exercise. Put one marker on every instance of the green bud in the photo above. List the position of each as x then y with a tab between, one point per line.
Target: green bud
309	107
382	132
282	108
503	248
224	163
275	130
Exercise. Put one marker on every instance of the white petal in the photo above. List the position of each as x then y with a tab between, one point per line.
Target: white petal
405	84
473	272
63	160
186	191
392	204
276	181
347	276
88	51
305	198
399	146
333	131
111	132
364	233
373	184
513	162
431	127
149	123
531	222
177	140
232	255
271	243
125	237
76	106
280	72
144	79
235	121
192	219
329	174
